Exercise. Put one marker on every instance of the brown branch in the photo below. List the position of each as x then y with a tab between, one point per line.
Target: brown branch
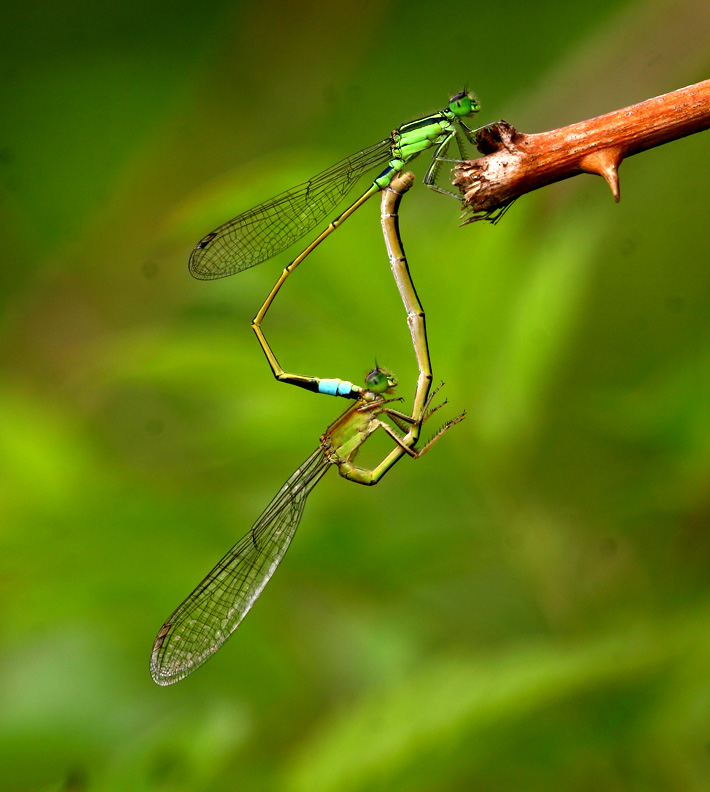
515	163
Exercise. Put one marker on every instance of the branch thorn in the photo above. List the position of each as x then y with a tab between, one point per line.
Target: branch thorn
605	163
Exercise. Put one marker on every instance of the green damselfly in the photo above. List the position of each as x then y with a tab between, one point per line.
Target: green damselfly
214	610
271	227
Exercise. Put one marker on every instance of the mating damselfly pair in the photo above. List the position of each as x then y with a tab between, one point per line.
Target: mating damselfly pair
214	610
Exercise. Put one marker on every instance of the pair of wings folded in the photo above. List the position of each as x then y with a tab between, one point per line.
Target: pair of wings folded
271	227
215	609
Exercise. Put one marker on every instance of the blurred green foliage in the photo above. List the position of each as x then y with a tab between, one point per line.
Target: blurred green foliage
526	608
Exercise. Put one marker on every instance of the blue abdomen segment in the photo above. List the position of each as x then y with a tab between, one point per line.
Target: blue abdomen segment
384	179
335	387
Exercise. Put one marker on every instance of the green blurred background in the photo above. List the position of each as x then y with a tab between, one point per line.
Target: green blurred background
527	607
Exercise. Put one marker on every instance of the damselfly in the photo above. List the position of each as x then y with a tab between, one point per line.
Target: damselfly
214	610
269	228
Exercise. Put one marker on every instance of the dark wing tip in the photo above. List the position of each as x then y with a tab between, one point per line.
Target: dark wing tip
202	244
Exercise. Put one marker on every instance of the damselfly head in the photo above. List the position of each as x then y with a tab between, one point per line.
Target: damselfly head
464	103
379	380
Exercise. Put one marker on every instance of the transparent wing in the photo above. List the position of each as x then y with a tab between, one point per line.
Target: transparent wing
217	606
271	227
